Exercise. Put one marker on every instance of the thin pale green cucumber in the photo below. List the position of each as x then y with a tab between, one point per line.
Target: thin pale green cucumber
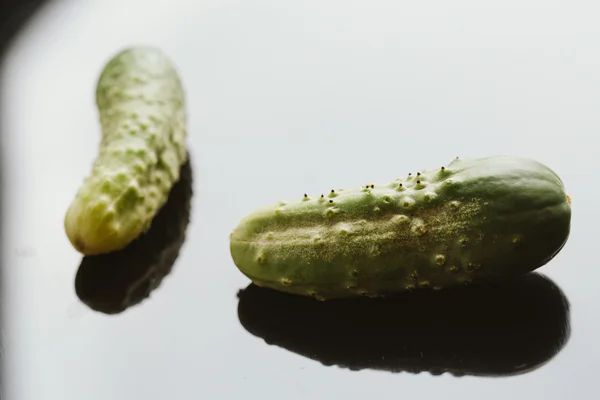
472	220
141	103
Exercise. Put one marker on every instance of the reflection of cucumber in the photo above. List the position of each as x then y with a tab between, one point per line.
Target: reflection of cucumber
111	283
505	328
480	219
142	113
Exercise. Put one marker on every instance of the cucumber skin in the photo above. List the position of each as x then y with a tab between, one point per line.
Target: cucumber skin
141	104
472	221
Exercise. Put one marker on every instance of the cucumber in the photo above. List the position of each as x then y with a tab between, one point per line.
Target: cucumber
114	282
141	104
472	220
496	329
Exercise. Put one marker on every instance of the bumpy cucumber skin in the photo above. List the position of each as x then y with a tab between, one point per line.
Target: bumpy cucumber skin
141	104
474	220
113	282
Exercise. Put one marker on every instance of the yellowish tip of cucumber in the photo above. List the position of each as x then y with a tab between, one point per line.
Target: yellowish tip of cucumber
92	233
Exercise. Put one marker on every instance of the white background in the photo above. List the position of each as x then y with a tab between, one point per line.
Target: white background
284	97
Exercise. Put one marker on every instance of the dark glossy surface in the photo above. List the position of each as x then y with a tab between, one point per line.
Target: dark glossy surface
286	98
488	330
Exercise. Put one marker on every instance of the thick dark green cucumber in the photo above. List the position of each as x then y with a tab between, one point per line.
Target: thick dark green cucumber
113	282
140	99
497	329
473	220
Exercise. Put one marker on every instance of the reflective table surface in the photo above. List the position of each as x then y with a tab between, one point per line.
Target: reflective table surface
286	98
